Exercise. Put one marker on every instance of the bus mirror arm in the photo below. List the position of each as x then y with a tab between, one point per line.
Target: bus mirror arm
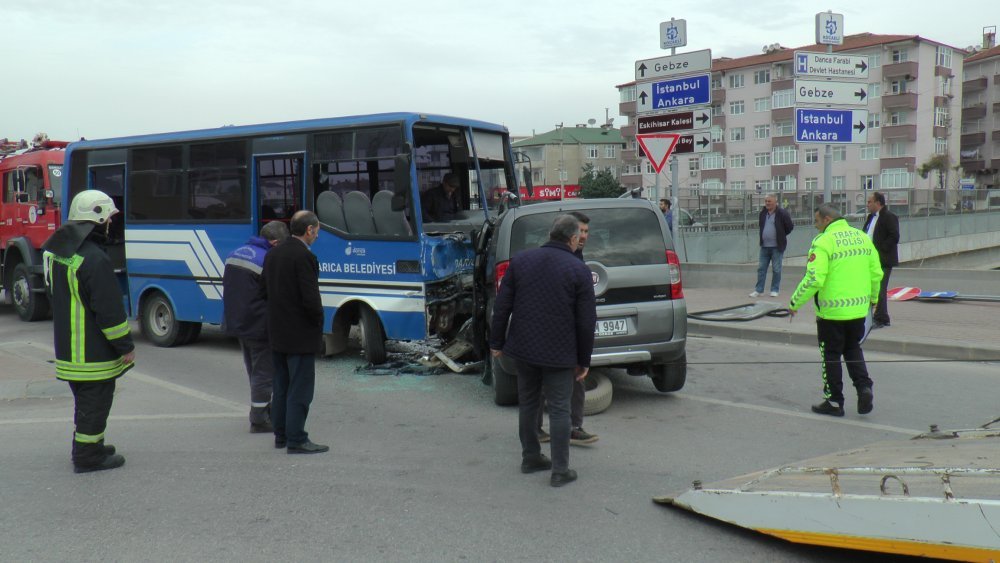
401	178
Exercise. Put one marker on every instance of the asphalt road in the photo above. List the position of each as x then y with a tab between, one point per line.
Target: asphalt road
426	468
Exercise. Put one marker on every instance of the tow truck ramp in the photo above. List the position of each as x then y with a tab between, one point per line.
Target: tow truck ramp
935	495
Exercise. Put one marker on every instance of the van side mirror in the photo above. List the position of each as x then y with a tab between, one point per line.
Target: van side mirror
401	195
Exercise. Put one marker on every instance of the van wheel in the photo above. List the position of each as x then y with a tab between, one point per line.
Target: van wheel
159	323
30	306
599	393
504	384
372	336
669	377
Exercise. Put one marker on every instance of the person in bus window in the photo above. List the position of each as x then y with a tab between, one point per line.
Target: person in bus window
441	203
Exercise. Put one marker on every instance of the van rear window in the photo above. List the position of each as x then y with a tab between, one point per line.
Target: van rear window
618	237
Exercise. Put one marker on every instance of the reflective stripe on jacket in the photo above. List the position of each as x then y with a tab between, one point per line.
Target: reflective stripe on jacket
843	273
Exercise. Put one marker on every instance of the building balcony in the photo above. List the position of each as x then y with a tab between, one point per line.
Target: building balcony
906	100
783	114
783	84
974	85
718	174
784	170
628	131
942	101
940	132
908	132
977	111
907	70
995	136
626	108
973	165
629	155
718	96
973	139
719	121
943	71
783	141
996	107
907	162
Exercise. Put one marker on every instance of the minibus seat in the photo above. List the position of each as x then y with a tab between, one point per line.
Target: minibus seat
330	210
358	212
387	221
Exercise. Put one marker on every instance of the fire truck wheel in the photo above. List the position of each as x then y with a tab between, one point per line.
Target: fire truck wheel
31	306
372	336
159	323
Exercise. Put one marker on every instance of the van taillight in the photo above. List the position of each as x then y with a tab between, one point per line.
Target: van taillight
674	265
501	269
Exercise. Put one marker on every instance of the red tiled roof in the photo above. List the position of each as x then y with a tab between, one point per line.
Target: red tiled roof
995	51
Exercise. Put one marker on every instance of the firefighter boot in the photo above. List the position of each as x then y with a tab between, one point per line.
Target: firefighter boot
92	457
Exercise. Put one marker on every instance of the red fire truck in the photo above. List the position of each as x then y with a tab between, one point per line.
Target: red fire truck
30	180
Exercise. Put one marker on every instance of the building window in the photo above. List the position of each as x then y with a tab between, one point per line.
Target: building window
762	104
868	182
944	56
895	150
839	153
897	118
762	186
897	87
762	159
895	178
713	161
874	89
784	128
899	56
612	170
940	145
737	161
762	76
716	133
627	94
735	80
609	151
717	83
738	185
874	120
783	99
761	132
784	183
714	187
870	152
591	151
812	184
785	155
941	117
649	168
839	183
812	156
737	134
736	108
717	111
693	164
875	60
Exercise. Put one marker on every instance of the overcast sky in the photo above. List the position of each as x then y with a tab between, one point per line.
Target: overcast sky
108	68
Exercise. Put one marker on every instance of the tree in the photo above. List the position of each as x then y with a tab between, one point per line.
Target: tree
598	183
939	163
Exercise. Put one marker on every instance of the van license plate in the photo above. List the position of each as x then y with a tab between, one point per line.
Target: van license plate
611	327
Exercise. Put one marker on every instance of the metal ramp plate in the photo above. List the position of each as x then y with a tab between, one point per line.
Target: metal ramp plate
936	495
746	312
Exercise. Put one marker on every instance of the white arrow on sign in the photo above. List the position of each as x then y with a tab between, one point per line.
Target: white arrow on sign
657	147
830	92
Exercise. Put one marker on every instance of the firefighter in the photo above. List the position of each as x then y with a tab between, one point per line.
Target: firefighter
93	344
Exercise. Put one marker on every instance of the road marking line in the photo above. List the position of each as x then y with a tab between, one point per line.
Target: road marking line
129	417
809	416
188	391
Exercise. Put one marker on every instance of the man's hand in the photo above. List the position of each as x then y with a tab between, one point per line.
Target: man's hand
581	372
129	358
496	353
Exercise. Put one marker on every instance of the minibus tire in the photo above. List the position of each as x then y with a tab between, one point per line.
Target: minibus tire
504	383
192	331
159	322
372	336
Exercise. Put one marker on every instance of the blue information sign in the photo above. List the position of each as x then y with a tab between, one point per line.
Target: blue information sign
676	93
821	125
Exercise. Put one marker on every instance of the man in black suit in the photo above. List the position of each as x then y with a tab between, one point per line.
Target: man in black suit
882	226
547	298
290	284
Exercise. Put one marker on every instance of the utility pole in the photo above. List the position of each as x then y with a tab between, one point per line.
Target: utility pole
562	162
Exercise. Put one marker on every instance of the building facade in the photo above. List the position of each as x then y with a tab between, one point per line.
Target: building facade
558	157
980	156
911	103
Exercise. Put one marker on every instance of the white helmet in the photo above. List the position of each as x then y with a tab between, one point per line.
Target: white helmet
92	205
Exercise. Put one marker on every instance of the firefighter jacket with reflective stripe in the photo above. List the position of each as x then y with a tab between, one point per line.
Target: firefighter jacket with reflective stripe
843	273
91	329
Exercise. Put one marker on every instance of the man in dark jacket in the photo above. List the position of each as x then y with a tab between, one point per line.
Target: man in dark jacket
882	226
775	225
290	285
441	203
547	299
93	344
245	317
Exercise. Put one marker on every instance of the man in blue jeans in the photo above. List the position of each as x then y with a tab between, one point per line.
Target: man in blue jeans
775	224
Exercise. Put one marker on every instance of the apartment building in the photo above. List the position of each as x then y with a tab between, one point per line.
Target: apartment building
911	100
980	156
558	157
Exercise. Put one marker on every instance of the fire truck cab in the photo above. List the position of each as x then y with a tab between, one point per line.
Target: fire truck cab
30	187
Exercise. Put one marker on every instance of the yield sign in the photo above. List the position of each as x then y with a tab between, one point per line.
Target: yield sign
657	147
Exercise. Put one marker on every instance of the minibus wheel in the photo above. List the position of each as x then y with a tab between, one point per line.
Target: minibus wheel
159	322
372	336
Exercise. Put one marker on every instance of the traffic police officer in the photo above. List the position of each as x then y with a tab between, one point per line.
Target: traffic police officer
93	345
842	275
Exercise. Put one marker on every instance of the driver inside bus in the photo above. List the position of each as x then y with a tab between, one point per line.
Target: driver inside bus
441	203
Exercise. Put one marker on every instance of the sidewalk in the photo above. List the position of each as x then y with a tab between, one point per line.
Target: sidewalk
958	330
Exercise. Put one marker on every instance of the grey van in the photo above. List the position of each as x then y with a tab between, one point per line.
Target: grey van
641	313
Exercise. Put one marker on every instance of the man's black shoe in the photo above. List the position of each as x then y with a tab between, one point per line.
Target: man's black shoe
262	428
826	407
280	442
866	400
532	464
564	478
307	447
880	325
110	462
